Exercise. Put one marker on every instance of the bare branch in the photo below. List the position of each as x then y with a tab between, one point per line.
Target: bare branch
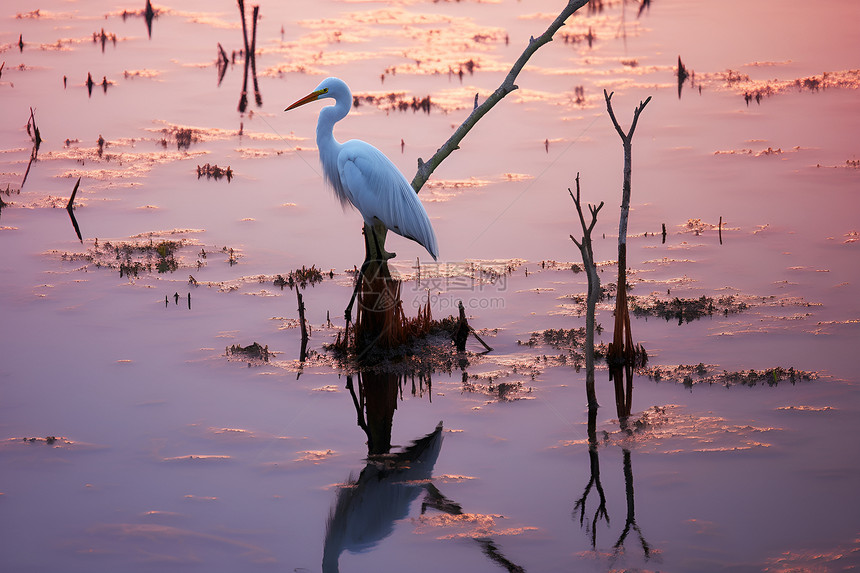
608	98
585	248
425	169
636	113
74	192
621	355
586	228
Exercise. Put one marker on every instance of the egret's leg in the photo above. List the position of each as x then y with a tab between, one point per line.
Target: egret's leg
378	232
367	254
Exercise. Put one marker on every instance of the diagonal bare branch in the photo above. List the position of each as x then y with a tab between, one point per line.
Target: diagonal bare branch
425	169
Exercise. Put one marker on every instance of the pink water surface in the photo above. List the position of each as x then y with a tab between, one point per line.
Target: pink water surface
170	455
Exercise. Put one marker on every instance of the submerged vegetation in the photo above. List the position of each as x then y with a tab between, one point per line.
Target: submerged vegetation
132	258
570	340
685	309
500	392
301	277
49	440
395	101
182	136
254	351
214	172
145	253
690	375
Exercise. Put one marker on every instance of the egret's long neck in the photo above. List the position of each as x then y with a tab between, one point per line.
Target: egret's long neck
329	146
329	115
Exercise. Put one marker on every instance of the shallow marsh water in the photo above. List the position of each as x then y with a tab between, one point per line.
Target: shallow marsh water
132	441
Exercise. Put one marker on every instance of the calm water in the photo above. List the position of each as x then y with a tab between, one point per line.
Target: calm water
133	442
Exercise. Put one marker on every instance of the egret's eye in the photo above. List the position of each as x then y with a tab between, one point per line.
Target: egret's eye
325	90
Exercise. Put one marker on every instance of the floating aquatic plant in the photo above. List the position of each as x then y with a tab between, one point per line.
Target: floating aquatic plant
698	374
214	172
254	351
301	277
685	309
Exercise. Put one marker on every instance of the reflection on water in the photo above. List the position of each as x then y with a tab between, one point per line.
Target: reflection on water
70	209
752	376
630	521
250	58
601	512
593	482
366	508
377	397
148	13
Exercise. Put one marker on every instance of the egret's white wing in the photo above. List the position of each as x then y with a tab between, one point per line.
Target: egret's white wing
378	189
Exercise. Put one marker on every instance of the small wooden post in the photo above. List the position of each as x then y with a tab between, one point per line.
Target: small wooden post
303	351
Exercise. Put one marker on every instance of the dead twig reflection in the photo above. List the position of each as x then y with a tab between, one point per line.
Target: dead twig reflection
221	63
682	75
36	136
70	210
594	481
304	326
148	15
433	498
630	523
250	60
491	550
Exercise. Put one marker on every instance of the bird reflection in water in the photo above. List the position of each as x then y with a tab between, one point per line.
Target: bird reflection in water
368	506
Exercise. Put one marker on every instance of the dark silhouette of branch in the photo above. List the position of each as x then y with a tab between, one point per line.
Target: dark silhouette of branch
491	550
682	74
358	402
585	249
250	61
70	207
622	354
148	15
629	135
70	204
258	98
433	498
304	326
221	63
630	523
594	481
425	169
37	142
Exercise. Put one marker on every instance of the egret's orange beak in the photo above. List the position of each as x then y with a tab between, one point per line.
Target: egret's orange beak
313	96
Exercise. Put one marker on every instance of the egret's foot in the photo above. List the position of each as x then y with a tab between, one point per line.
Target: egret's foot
375	247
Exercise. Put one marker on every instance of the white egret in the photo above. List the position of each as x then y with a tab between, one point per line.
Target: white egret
361	175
